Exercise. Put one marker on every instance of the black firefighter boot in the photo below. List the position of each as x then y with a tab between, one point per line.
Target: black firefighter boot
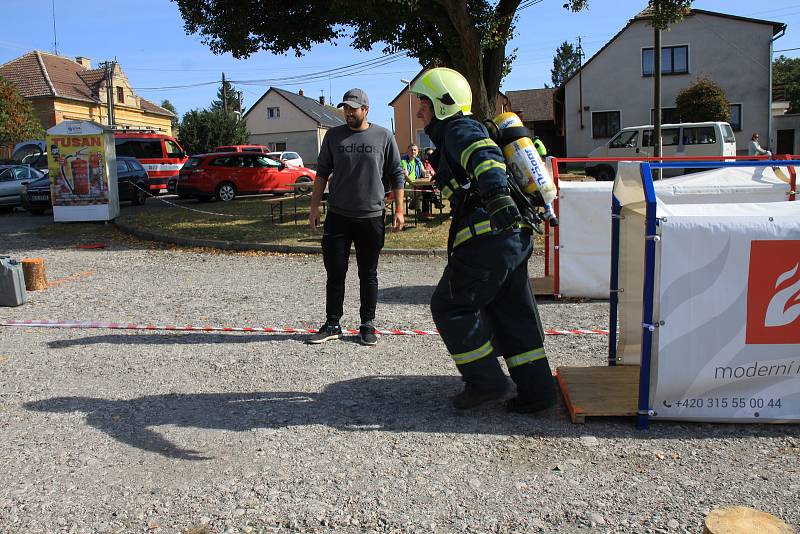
485	381
536	387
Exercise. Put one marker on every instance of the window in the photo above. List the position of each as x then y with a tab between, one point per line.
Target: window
264	161
668	116
291	155
135	165
139	148
173	150
227	161
273	113
701	135
121	167
674	60
669	137
727	134
279	147
605	124
423	140
625	140
120	94
736	117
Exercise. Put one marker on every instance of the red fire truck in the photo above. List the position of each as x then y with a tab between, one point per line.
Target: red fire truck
161	155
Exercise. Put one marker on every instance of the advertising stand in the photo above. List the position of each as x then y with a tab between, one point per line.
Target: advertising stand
83	172
707	301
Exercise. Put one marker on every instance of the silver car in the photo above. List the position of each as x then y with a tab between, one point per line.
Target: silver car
13	178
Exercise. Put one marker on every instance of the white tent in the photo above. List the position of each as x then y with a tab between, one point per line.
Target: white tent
584	210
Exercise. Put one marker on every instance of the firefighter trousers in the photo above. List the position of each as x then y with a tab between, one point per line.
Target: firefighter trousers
484	308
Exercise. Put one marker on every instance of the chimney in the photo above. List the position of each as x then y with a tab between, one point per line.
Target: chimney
84	62
300	92
322	100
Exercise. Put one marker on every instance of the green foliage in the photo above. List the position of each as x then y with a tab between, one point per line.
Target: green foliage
17	121
166	104
469	36
786	73
202	130
703	100
566	61
663	12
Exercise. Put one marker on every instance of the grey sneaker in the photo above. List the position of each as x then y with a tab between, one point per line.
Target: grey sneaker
326	332
366	335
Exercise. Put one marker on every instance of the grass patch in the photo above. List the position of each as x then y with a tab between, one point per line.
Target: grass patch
248	220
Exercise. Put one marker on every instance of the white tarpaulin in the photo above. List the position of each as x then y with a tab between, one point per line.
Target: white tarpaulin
727	302
585	216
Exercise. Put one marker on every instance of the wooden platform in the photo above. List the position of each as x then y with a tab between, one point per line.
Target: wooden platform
599	391
543	286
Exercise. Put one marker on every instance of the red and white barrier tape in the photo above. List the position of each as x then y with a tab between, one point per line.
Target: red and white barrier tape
265	329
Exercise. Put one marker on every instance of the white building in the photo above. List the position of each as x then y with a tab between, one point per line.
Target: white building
614	88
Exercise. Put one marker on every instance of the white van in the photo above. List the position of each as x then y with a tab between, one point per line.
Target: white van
683	140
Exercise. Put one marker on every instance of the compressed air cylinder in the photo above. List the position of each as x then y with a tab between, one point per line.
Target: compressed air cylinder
523	160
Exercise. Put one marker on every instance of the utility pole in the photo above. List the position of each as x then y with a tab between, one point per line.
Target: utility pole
657	90
240	97
580	80
108	67
224	94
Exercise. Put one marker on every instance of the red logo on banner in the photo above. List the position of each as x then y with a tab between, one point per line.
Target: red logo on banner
773	293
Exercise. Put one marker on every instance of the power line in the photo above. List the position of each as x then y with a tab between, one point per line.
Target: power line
787	49
338	72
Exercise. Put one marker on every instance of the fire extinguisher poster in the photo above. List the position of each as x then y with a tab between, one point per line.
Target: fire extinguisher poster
78	176
82	166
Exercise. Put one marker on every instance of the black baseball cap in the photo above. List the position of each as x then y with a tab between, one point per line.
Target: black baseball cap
355	98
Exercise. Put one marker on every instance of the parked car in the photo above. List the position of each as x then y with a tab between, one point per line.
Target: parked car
292	158
12	180
32	152
242	148
161	155
132	184
226	176
685	139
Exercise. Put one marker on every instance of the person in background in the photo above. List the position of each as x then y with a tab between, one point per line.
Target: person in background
754	148
429	172
363	156
413	171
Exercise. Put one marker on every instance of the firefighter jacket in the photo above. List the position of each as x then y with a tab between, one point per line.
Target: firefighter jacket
468	166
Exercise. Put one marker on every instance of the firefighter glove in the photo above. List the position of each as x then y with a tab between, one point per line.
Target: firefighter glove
503	212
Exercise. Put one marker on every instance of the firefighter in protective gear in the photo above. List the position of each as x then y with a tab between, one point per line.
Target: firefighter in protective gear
483	305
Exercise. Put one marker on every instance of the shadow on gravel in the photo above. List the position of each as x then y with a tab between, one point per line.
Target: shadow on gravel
385	403
406	295
173	339
374	403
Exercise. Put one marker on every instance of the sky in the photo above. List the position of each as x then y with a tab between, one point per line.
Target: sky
156	54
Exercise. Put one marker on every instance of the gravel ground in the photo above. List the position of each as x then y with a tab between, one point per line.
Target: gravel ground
126	431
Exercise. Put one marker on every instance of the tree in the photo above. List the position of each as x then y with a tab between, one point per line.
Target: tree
703	100
565	62
17	121
166	104
469	36
202	130
786	74
227	93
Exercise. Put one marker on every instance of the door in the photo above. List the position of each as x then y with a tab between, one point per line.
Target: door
11	181
785	142
270	174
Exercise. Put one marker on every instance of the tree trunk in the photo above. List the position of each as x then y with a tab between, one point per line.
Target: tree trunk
35	278
743	520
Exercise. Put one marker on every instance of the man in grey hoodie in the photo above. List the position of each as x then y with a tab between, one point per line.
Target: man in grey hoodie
355	161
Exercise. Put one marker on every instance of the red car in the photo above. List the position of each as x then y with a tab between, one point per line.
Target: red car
227	175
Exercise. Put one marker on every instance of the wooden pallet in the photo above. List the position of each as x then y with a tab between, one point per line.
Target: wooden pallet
542	286
599	391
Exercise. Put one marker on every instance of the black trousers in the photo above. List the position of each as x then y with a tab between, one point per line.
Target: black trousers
339	233
484	308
